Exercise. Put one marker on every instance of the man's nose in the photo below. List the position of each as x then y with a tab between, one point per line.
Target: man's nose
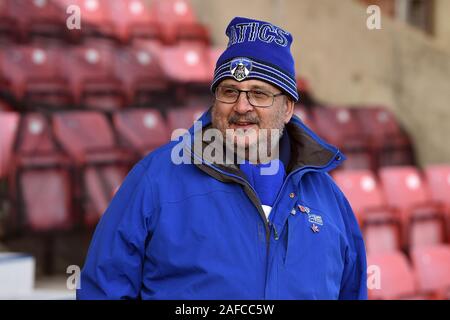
242	104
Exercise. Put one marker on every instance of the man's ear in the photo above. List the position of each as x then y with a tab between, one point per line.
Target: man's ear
290	104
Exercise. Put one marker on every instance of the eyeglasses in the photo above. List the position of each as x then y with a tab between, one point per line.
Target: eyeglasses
256	97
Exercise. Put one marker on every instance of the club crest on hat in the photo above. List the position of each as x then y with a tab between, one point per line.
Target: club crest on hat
240	68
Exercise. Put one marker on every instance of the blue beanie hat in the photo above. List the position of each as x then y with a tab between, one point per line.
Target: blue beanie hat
257	50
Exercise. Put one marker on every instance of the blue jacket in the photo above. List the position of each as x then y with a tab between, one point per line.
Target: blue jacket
197	231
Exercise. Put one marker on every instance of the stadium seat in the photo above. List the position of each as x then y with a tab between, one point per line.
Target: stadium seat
133	19
184	118
91	71
380	224
432	265
8	127
39	18
391	277
8	21
340	127
187	67
390	144
96	20
423	219
35	76
178	22
40	180
139	68
142	129
438	181
187	63
100	164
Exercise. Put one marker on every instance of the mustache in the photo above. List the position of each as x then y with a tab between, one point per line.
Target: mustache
236	118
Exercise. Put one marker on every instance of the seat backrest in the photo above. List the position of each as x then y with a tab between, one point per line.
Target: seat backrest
361	188
185	63
133	18
140	65
143	129
46	197
396	276
438	181
83	132
100	185
93	12
35	136
379	123
9	122
432	265
339	126
174	11
40	10
183	118
382	237
403	186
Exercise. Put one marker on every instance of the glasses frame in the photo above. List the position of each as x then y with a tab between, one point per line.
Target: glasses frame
273	95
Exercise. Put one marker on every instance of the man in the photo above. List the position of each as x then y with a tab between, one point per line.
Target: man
211	229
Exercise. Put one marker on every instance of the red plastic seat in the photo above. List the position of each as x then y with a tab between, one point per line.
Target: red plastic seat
101	164
183	118
187	63
35	76
139	69
340	127
395	275
41	18
9	21
96	20
40	180
423	219
87	137
133	19
432	265
390	143
93	81
46	199
438	181
178	21
187	67
35	144
380	224
9	122
143	130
